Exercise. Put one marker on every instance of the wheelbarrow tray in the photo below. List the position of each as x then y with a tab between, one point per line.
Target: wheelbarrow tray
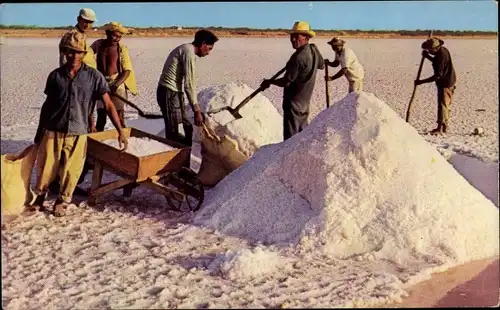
133	167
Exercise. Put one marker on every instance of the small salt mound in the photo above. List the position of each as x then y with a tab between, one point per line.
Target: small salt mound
141	146
246	264
358	181
261	123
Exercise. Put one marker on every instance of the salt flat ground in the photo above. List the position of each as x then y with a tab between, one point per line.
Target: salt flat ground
130	253
390	64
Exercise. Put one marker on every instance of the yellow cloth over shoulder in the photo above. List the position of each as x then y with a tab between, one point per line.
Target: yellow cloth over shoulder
126	64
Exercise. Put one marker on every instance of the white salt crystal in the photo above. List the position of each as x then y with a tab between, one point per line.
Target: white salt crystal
357	180
261	123
247	263
141	146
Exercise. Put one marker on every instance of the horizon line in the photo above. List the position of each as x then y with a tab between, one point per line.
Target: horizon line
27	26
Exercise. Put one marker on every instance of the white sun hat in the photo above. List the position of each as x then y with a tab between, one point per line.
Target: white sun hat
88	14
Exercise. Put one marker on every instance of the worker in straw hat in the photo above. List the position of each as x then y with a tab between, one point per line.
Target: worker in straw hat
113	61
62	131
351	68
299	79
85	19
445	78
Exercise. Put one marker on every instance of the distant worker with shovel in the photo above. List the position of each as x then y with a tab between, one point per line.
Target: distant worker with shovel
113	61
351	68
299	79
62	131
445	78
179	67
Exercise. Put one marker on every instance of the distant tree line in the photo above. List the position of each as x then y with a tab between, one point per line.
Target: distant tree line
245	30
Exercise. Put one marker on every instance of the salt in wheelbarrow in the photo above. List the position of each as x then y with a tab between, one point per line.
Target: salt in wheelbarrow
167	173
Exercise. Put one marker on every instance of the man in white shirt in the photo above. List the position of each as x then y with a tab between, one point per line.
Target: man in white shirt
350	66
180	66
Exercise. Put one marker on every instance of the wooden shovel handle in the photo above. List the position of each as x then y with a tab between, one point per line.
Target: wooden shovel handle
141	113
258	90
408	111
326	84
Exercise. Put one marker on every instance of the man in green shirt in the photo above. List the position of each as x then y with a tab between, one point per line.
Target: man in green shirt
180	67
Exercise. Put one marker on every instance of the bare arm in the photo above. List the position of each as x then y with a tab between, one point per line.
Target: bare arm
126	66
111	111
115	119
121	79
429	79
334	63
92	123
339	74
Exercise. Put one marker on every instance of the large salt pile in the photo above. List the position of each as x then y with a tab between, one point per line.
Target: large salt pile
261	123
358	182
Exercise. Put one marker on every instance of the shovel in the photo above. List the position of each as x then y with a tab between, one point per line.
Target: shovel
141	113
326	84
235	111
408	111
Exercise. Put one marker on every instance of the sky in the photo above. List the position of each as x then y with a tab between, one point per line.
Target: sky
346	15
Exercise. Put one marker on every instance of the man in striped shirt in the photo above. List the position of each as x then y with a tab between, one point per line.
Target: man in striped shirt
180	67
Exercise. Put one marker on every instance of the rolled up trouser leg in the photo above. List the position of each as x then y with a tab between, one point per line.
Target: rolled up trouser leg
74	152
48	161
356	85
445	95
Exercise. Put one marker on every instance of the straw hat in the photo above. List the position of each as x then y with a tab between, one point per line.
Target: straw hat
74	41
302	27
432	43
336	41
116	26
87	14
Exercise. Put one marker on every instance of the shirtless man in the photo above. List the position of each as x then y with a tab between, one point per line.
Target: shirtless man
113	61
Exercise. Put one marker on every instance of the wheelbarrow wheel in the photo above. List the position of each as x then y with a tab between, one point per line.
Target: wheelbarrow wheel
185	181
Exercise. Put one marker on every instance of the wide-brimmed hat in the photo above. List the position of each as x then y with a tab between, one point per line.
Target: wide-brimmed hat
116	26
87	14
336	41
302	27
432	43
74	41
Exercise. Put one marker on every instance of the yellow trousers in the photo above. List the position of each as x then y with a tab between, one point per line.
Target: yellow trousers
64	154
